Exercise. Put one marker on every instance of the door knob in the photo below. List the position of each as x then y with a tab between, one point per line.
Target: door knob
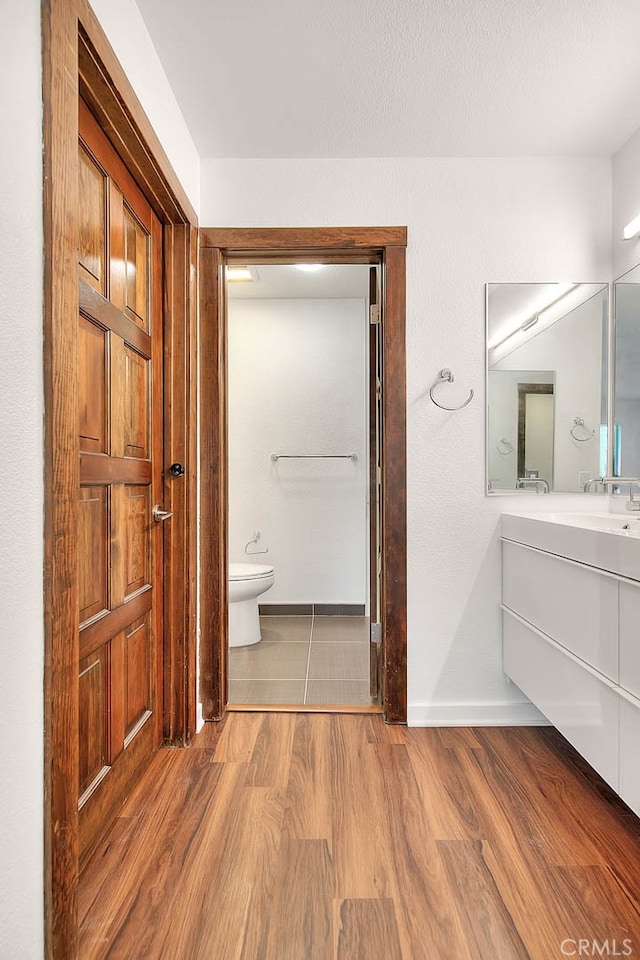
159	514
176	470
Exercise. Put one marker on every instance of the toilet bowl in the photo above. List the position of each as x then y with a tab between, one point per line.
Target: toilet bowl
247	581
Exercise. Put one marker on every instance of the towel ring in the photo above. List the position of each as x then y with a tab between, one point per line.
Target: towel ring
446	376
504	447
579	422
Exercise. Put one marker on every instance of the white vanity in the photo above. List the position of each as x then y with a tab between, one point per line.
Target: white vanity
571	641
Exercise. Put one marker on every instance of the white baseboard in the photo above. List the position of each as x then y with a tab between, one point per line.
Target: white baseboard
516	714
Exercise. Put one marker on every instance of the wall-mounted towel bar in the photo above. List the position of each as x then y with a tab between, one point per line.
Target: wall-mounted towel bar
314	456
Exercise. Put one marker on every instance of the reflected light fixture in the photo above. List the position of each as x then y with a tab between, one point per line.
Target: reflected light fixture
531	321
241	274
309	267
632	229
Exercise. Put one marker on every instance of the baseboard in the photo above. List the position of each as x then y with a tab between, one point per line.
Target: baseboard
306	609
285	609
338	609
516	714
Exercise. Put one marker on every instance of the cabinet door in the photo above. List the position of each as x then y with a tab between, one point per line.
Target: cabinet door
629	766
572	604
582	707
630	638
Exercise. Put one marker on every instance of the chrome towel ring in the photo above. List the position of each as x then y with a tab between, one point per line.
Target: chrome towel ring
579	422
504	446
446	376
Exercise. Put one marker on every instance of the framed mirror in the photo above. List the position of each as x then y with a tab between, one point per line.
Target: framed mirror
626	379
546	422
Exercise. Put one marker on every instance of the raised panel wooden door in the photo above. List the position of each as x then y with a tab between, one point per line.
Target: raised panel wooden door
120	439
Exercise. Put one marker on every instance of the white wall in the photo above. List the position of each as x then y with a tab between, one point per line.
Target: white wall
21	495
470	221
123	24
297	385
21	437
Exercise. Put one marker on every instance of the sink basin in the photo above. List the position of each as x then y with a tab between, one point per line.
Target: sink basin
604	540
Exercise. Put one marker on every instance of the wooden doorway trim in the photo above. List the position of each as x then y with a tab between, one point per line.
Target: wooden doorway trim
384	245
78	61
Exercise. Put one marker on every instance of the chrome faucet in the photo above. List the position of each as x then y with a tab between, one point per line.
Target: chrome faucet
632	504
631	482
536	482
587	486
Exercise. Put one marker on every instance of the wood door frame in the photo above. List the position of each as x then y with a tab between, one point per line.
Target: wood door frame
78	61
384	245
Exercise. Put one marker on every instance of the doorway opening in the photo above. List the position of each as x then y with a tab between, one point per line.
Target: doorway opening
535	431
300	497
222	536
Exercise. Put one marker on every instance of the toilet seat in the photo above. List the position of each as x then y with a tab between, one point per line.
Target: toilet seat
249	571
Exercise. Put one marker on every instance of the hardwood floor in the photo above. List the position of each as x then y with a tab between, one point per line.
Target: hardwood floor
284	836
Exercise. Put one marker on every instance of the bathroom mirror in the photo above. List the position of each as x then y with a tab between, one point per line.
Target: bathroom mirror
626	381
546	386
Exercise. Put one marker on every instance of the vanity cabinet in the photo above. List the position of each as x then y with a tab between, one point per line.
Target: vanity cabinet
571	642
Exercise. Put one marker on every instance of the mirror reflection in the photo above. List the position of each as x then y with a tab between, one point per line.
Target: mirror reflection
626	381
546	386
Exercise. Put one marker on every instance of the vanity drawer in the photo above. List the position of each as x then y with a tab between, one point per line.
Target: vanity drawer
630	754
630	638
584	708
575	605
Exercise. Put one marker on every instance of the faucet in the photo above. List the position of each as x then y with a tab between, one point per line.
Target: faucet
631	482
587	485
632	504
538	481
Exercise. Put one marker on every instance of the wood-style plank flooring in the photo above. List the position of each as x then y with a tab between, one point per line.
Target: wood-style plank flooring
284	836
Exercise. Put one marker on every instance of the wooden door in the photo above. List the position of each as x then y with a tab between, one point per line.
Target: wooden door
375	479
120	442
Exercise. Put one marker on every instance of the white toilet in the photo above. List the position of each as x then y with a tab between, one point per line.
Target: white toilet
247	581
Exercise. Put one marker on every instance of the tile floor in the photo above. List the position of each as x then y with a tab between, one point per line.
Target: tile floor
304	660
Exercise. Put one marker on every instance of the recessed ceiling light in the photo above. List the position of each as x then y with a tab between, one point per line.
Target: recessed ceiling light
241	274
310	267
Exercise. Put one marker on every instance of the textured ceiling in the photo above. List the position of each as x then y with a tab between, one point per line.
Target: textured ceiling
394	78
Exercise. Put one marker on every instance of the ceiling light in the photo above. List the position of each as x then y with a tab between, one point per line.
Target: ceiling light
632	229
241	274
310	267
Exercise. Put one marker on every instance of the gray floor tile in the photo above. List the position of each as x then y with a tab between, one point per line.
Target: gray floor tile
339	661
285	629
266	691
269	660
344	629
352	692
